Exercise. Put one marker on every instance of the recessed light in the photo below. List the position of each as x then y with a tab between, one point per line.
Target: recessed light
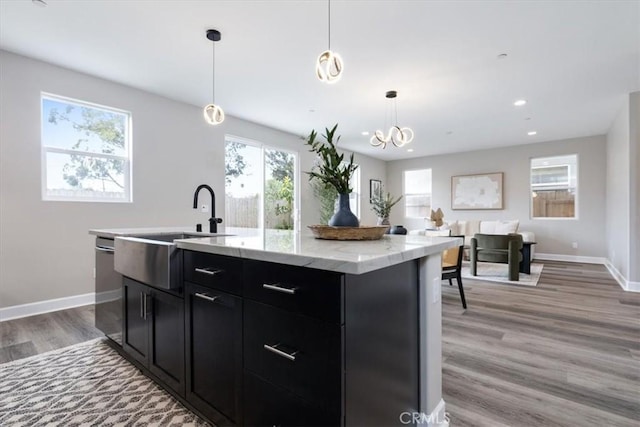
520	102
39	3
533	132
365	133
502	56
410	150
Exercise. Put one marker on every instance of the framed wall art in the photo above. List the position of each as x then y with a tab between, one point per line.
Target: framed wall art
375	189
481	191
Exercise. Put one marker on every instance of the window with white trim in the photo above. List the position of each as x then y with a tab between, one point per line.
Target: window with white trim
554	187
86	151
417	193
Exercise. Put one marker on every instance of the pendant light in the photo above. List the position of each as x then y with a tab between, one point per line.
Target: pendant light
213	114
397	136
329	64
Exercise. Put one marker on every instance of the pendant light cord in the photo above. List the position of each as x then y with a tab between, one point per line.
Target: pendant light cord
395	107
213	73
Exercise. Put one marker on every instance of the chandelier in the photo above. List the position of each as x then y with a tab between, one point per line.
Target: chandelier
329	64
396	135
213	114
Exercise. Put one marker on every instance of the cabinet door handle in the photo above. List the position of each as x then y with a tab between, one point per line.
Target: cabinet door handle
144	298
104	249
277	288
207	297
274	349
141	305
209	270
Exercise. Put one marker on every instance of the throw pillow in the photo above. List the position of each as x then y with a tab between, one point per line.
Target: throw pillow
488	227
507	227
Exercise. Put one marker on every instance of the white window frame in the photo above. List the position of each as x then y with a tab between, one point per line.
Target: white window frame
296	175
537	187
355	195
128	193
405	194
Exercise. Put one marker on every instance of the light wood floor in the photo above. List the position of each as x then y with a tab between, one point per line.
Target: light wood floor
566	353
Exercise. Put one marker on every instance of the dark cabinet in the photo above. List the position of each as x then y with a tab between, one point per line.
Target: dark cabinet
309	292
154	332
270	405
298	353
254	343
215	271
214	353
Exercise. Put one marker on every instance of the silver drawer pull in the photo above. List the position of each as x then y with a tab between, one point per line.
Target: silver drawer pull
103	249
209	270
274	349
207	297
275	287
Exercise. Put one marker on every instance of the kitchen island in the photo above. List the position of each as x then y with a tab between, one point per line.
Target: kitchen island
284	329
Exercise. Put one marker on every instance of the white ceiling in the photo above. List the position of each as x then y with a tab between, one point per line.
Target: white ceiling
572	60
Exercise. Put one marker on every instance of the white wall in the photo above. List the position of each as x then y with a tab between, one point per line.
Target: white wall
617	199
554	236
45	251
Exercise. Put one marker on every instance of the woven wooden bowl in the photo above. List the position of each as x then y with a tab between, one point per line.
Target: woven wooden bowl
327	232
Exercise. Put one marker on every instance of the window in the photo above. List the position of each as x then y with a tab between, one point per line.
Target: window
260	185
86	151
417	193
554	184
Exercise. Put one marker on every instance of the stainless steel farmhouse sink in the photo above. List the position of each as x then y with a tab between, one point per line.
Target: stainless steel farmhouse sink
152	259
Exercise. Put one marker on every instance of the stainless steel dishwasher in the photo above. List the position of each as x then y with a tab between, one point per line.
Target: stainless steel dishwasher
108	291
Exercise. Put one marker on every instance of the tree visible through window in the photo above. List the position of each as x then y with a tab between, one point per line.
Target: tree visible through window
260	185
85	151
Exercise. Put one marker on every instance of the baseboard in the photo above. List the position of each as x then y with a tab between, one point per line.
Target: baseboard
625	284
24	310
570	258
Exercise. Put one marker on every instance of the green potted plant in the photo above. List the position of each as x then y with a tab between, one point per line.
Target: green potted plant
382	205
334	171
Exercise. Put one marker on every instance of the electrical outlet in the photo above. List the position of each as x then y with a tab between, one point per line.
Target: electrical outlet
437	290
204	208
574	245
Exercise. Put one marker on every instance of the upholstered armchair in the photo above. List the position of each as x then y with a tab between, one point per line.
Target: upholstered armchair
497	248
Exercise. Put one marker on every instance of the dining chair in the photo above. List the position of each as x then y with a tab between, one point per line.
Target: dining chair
451	262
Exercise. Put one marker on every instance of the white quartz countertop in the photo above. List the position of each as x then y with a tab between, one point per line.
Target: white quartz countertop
147	231
301	249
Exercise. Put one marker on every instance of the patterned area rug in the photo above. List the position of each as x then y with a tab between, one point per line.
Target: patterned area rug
88	384
494	272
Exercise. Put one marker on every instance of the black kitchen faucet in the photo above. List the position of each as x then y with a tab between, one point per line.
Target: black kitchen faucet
213	221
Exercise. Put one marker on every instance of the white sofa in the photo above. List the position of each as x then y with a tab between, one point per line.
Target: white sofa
470	227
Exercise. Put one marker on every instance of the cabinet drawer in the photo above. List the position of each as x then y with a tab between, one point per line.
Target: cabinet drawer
269	405
302	290
214	271
296	352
